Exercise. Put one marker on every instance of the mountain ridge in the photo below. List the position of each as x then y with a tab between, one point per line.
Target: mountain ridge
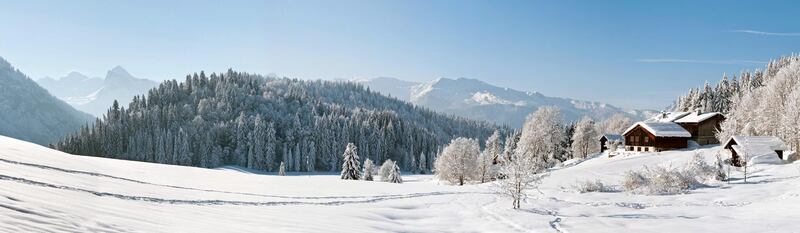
479	100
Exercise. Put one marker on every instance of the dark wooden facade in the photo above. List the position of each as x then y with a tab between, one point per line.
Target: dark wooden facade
704	132
639	139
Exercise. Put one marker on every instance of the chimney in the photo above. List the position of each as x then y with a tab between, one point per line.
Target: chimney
699	111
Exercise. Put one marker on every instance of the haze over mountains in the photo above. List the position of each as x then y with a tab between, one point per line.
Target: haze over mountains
28	112
479	100
95	95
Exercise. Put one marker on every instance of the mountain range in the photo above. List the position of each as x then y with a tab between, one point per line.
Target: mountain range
28	112
479	100
94	95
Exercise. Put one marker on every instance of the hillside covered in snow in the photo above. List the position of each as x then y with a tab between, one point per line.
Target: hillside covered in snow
47	190
29	112
479	100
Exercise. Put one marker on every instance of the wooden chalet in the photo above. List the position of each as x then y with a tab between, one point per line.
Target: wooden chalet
606	140
755	146
655	136
702	126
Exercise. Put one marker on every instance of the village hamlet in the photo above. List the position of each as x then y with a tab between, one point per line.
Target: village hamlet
673	130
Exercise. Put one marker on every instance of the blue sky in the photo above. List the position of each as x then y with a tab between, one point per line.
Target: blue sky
638	54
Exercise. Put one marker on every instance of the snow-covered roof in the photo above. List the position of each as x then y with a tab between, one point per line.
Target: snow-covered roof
696	118
667	116
613	137
662	129
757	144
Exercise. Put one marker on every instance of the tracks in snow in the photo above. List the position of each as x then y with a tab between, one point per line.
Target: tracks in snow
95	174
329	200
218	202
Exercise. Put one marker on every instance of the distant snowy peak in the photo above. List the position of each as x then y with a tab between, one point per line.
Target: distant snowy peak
479	100
487	98
95	95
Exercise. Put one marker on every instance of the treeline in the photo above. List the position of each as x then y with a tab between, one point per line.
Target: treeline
236	118
762	103
720	97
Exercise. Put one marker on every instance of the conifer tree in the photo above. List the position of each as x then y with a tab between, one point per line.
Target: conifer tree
351	168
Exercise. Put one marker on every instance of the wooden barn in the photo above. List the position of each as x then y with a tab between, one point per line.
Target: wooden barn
606	140
655	136
702	126
752	146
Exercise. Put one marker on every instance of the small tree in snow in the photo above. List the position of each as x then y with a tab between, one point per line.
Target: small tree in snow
485	171
521	173
423	163
585	138
368	170
458	162
351	168
386	168
394	175
282	169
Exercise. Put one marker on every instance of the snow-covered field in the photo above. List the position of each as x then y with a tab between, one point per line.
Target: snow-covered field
43	190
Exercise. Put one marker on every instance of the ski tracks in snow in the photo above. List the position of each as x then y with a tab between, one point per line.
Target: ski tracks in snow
95	174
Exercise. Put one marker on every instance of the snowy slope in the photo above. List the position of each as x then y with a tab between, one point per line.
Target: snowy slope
46	190
95	95
476	99
29	112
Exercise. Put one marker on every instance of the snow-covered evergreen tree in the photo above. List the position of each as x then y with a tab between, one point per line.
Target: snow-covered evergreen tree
493	147
394	175
368	168
351	168
282	169
423	163
385	169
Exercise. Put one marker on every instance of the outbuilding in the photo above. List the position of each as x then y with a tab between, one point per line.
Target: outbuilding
606	140
755	146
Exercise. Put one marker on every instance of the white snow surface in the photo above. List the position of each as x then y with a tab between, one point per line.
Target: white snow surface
662	129
42	190
667	116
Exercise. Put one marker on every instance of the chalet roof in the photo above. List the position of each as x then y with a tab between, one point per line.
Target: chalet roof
613	137
662	129
696	118
756	144
667	116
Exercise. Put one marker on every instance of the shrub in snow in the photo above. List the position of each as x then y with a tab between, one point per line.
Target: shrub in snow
282	170
669	180
634	180
394	175
458	162
368	170
351	168
593	186
386	168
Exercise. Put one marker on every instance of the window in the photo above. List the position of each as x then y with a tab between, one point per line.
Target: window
646	139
